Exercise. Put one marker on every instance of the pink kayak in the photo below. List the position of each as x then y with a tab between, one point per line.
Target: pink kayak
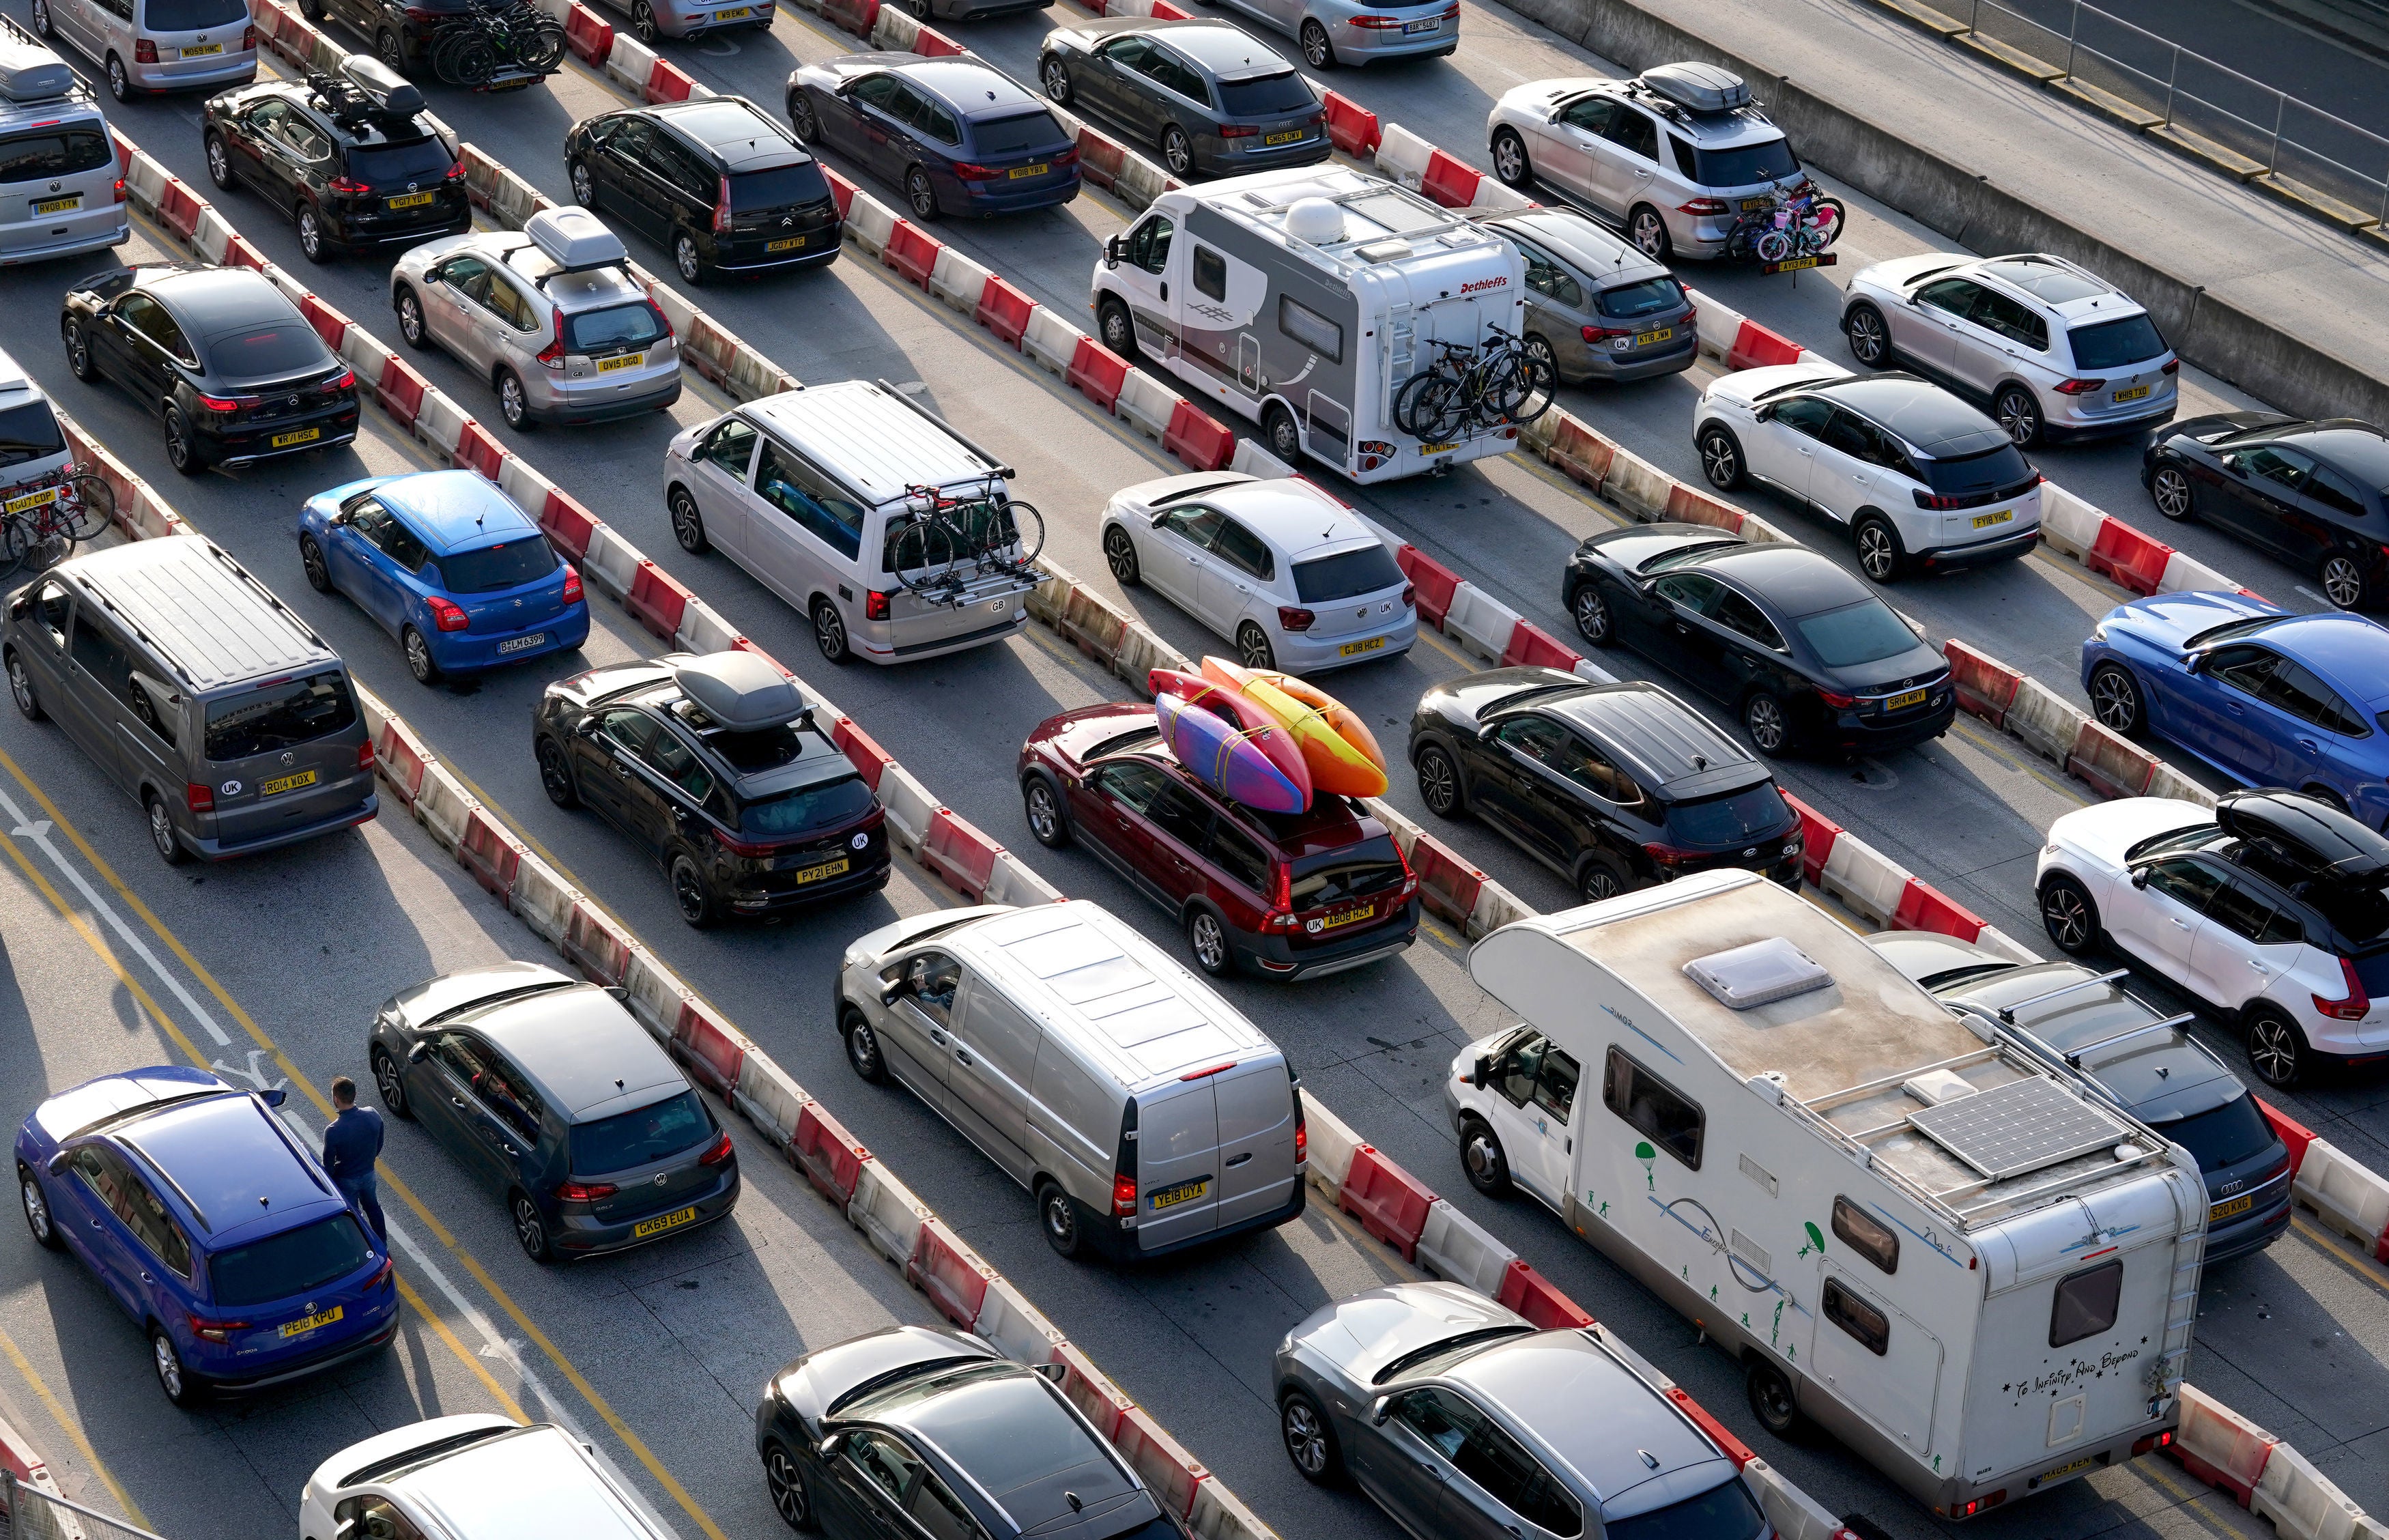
1228	758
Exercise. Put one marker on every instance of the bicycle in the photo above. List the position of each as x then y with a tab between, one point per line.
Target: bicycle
1504	385
1802	225
72	505
470	49
989	533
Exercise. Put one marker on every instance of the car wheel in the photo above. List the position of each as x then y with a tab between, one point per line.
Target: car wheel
1207	937
643	22
1869	338
1481	1159
530	1231
79	354
1058	1217
20	689
920	196
1043	805
163	838
1771	1398
390	1085
2170	491
801	118
1317	51
1439	784
691	896
313	10
36	1204
418	657
1509	159
387	50
2277	1049
784	1480
311	244
1176	151
2343	582
1721	458
311	558
1647	228
1310	1440
1544	358
410	321
1770	727
862	1053
120	85
688	523
180	452
1284	435
42	19
687	261
1119	332
1603	877
1593	620
1880	557
167	1361
584	190
829	631
219	163
2069	916
2019	414
1120	554
1253	647
555	774
2115	701
513	405
1056	76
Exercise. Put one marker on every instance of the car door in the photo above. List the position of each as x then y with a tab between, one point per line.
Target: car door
1751	653
101	1178
1178	545
606	758
682	181
1783	448
353	555
1926	329
875	1473
2267	507
891	128
791	534
2251	937
2219	711
504	1118
2307	733
1555	300
150	341
458	285
2000	338
664	797
43	643
1499	1491
2158	923
636	192
99	682
1535	1081
993	1061
1177	844
1625	162
1841	470
1107	806
246	148
718	479
1565	149
459	1060
1527	751
1143	279
919	1025
847	124
1237	564
1117	82
1405	1461
1692	643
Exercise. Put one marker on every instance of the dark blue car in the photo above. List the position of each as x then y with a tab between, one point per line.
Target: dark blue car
2267	696
210	1223
449	565
960	138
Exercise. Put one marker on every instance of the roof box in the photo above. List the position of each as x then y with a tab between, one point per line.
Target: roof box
576	239
30	74
392	94
740	690
1698	87
2310	835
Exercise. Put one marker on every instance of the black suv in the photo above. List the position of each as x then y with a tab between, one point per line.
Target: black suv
352	157
714	767
716	182
221	352
1611	786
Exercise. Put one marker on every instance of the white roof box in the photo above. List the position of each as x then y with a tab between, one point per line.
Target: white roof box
1698	87
739	689
30	74
577	241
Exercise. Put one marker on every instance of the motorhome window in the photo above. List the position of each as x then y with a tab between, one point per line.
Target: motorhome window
1210	274
1311	329
2086	1303
1346	576
1863	1321
731	446
280	716
1725	1511
1866	1235
1650	1104
1148	244
789	485
30	432
58	152
1241	548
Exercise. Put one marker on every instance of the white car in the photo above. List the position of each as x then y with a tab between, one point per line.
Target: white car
2273	909
1290	577
1923	481
474	1477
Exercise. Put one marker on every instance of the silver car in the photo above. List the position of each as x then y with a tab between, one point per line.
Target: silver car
548	314
1344	31
1462	1419
652	19
2053	350
1597	308
144	46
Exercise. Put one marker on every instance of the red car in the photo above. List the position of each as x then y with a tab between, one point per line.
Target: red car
1287	895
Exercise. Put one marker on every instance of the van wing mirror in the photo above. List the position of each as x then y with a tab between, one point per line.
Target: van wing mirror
345	1530
1480	1074
891	991
1112	253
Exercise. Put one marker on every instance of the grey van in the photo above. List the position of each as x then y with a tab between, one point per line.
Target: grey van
60	192
144	46
1144	1113
204	697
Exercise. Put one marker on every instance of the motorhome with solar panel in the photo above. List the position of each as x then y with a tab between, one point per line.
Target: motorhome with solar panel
1920	1231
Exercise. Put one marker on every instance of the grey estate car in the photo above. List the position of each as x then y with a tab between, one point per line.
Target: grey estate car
1597	308
203	697
1218	101
550	1093
1464	1421
1347	31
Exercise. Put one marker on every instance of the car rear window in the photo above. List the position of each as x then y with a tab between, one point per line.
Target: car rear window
253	353
632	325
2360	914
641	1136
1974	475
296	1261
777	187
28	432
424	161
189	16
1370	868
1737	816
1768	161
1017	135
280	715
1647	298
1856	634
2372	972
1265	94
2222	1136
491	568
2113	344
838	802
1346	576
1724	1512
56	152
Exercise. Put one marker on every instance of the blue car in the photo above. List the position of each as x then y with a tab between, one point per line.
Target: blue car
449	565
210	1223
958	138
2267	697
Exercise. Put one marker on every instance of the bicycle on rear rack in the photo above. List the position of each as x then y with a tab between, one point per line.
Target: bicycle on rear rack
950	541
71	504
1465	388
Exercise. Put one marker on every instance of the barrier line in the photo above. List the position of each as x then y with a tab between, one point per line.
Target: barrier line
1974	735
2329	1243
73	1430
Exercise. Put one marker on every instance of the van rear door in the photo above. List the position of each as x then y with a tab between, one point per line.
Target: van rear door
284	755
1177	1164
1256	1106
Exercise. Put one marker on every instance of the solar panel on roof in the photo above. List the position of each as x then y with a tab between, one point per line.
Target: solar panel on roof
2024	1126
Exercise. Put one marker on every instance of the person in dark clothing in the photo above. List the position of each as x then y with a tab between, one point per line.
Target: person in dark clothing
351	1145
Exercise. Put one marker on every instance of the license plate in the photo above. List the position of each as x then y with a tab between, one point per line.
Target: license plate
201	50
1347	916
1412	28
301	435
2068	1469
662	1222
523	644
2135	394
1184	1192
280	784
791	244
1039	169
1349	648
32	500
412	200
1286	139
737	13
2231	1207
1753	205
827	868
58	205
1985	521
1438	448
300	1327
1793	264
620	361
1898	703
1645	338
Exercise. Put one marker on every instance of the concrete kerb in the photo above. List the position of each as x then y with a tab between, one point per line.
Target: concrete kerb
956	279
885	1209
1864	878
1333	1142
1051	339
1795	1514
2303	1504
2344	1195
1146	403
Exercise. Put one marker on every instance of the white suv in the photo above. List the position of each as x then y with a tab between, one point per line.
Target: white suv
2273	908
472	1477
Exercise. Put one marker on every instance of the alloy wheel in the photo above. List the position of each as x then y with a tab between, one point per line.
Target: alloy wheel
1593	620
1649	233
1721	462
685	258
2273	1050
178	444
219	169
830	632
1120	554
310	236
2066	915
688	893
584	192
1764	718
37	1208
2170	489
800	117
169	1365
1045	818
1878	558
531	1231
920	195
2115	701
2343	582
1868	344
41	17
556	776
386	1082
20	689
1438	782
2019	415
1177	150
1209	939
1306	1436
418	657
79	353
511	404
1253	649
161	834
311	557
120	85
1317	51
410	319
1510	159
688	525
787	1484
1057	83
1599	883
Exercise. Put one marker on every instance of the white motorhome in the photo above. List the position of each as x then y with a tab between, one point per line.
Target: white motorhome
1305	298
1930	1242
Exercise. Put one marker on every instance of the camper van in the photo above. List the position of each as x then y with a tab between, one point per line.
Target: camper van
1305	298
1911	1229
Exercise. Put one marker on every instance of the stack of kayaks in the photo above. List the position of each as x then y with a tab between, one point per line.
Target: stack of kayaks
1265	740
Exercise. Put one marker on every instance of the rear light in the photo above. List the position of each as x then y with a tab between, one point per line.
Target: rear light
249	40
381	1274
874	604
1302	1133
446	616
345	381
751	851
1603	334
1691	316
572	1191
1066	157
1410	595
456	172
199	798
1124	1194
2355	1005
2077	387
1237	131
213	1332
144	51
552	355
1449	13
2154	1441
572	586
1932	503
1668	856
662	319
1295	620
722	209
1205	1075
366	755
418	13
1280	920
723	1151
1377	23
1409	878
349	185
970	170
120	189
219	403
1702	206
1967	1511
2172	365
1839	702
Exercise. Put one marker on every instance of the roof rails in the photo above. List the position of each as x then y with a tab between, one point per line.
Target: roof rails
365	93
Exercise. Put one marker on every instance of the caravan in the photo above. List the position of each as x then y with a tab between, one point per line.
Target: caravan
1305	298
1914	1230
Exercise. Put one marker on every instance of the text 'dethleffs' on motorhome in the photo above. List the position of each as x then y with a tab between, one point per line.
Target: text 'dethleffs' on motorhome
1934	1243
1305	298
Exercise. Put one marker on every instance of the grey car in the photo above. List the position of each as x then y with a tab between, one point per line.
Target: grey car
1597	308
1346	32
1215	101
550	1093
1464	1421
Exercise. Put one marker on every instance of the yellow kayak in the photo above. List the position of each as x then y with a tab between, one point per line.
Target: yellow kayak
1338	746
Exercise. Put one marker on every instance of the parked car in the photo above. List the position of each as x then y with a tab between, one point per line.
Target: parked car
144	46
956	135
1278	568
1923	481
1806	656
692	19
1597	309
212	1226
1611	786
1672	156
1285	895
475	1473
2272	909
58	155
1218	102
2312	494
2267	696
401	32
916	1431
717	771
715	181
549	315
1460	1419
1341	31
2147	1063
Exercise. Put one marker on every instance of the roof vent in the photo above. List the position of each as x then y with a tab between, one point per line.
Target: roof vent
1315	221
1938	1086
1758	974
1383	251
740	690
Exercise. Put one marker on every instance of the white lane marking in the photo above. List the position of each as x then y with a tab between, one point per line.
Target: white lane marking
2317	598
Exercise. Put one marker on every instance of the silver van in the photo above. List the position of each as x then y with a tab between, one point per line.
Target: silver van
60	193
811	491
204	697
1142	1109
145	45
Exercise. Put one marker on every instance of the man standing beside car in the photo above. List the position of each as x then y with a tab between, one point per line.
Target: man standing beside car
352	1146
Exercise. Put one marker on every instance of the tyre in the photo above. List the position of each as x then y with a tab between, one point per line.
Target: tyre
163	838
1058	1217
42	19
688	523
2169	489
1207	937
2343	582
1310	1440
784	1480
691	896
688	262
1721	461
1439	783
1055	77
182	451
1317	51
830	632
513	403
387	50
801	118
120	85
1481	1158
311	558
1119	331
1880	556
1594	622
1647	228
92	508
1042	803
1510	160
36	1204
1120	554
1176	151
78	347
1769	725
313	10
2116	702
390	1085
419	656
585	187
20	690
410	322
1771	1398
2277	1049
1284	435
862	1055
1869	338
1253	647
643	22
1543	366
312	243
530	1231
555	774
166	1360
2018	411
2069	916
1603	877
219	163
920	196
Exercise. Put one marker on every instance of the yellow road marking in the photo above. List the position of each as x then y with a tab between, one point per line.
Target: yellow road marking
1432	928
66	1422
2191	1501
1976	736
2354	1264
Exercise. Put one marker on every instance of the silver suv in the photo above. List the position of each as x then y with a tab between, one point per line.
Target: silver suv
2053	350
60	194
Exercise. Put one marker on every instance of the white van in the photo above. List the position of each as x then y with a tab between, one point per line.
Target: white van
1975	1273
60	192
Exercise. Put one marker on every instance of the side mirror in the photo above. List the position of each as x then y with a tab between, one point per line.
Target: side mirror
1647	588
2231	459
59	1161
587	725
1765	413
275	1096
415	1054
834	1446
344	1530
1058	1373
2141	877
1480	1074
1379	1410
2193	663
621	995
1112	249
892	991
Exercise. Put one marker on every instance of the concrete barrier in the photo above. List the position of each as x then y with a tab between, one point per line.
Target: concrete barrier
1456	1247
2345	1196
2220	1446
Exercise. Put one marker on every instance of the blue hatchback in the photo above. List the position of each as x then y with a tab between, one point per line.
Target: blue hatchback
957	136
449	565
2267	697
210	1223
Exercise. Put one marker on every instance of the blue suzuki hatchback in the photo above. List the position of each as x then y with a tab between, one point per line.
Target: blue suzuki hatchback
212	1226
449	565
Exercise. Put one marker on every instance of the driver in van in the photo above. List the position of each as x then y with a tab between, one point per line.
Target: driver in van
933	984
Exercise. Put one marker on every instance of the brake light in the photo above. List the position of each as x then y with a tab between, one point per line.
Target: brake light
874	604
1409	878
1124	1194
2355	1005
2172	365
552	355
572	1191
249	40
213	1332
1668	856
1967	1511
1603	334
741	847
723	1151
1205	1075
144	51
1934	503
1702	206
2077	387
722	209
366	755
345	381
970	170
1410	595
1280	920
572	586
446	616
1376	23
1301	1135
219	403
1066	157
381	1274
1839	702
2154	1441
1295	620
1449	13
199	798
120	189
662	319
1237	131
456	172
349	185
1691	316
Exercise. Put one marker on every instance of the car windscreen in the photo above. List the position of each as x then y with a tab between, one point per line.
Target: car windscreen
1724	1512
1730	818
489	568
1648	298
425	162
1017	135
1856	634
2113	344
296	1261
777	187
53	152
630	326
1768	161
28	432
1974	475
1370	867
2221	1135
189	16
1346	576
281	715
257	352
641	1136
839	802
1264	96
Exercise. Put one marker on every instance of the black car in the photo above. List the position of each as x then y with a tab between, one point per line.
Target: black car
716	182
714	767
2313	493
221	352
401	32
1216	101
1611	786
352	157
910	1431
1805	655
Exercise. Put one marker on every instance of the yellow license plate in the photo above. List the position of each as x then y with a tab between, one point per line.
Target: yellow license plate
412	200
1751	205
301	1329
1645	338
1345	917
1438	448
2068	1469
201	50
1184	1192
1899	702
303	435
827	868
792	243
620	361
1286	139
58	205
1039	169
1985	521
2230	1207
1792	266
280	784
662	1222
32	500
2135	394
1372	645
737	13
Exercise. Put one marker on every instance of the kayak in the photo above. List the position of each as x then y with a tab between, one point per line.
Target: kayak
1262	728
1338	746
1227	757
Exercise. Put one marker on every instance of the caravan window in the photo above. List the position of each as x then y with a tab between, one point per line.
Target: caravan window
1652	1106
1866	1235
2085	1305
1862	1320
1311	329
1210	273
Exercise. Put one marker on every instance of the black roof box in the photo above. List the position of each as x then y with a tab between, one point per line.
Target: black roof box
740	690
2307	833
392	94
1698	87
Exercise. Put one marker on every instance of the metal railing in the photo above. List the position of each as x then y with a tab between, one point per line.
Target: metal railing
37	1511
